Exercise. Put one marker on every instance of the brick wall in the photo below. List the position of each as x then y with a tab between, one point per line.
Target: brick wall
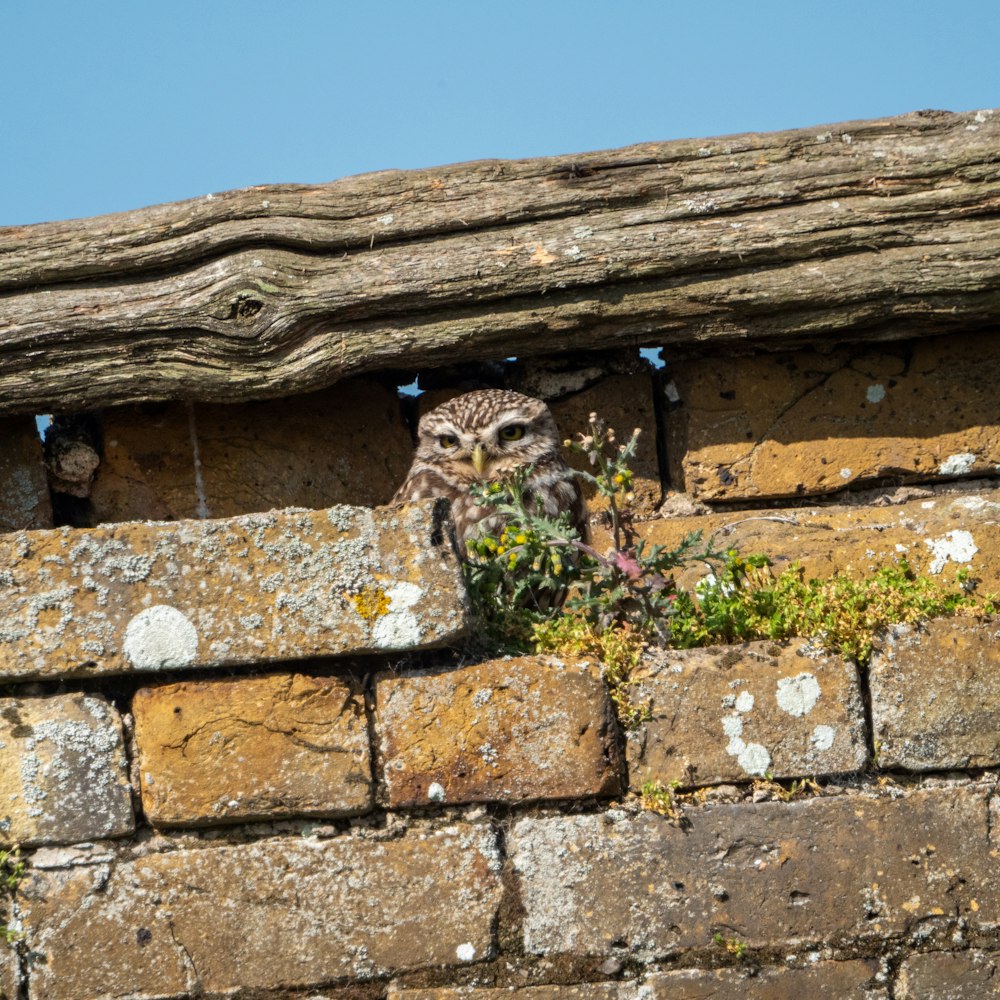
245	752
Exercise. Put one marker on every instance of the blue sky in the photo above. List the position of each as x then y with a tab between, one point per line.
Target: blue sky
110	106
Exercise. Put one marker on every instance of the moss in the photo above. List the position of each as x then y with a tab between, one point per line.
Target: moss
11	873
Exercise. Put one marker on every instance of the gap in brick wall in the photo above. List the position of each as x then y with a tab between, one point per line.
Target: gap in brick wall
556	378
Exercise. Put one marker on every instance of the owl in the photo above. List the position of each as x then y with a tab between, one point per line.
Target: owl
479	437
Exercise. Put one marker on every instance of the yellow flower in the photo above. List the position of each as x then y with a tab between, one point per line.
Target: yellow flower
521	538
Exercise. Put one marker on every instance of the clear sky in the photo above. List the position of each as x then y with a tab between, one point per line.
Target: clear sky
114	105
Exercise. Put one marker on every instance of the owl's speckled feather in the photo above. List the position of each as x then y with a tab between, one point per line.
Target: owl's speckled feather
511	430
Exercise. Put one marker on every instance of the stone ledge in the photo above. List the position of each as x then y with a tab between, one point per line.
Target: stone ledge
279	586
276	914
845	980
510	730
730	713
253	748
580	991
63	774
936	695
775	875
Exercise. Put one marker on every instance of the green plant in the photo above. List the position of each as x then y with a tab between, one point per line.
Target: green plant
662	799
745	600
539	563
539	587
734	946
11	873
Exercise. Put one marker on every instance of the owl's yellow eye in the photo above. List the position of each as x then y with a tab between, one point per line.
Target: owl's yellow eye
448	441
512	432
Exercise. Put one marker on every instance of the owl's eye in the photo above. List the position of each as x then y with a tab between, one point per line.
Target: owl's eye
512	432
448	441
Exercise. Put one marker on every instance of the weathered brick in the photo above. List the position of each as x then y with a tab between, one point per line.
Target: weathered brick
936	536
252	748
964	975
63	775
771	874
726	713
849	980
508	730
278	586
580	991
9	972
795	424
346	444
936	694
273	914
24	496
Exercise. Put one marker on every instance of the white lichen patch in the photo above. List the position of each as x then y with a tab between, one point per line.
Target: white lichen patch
399	628
822	737
465	952
701	205
435	792
159	638
957	465
754	759
956	546
798	695
846	473
875	393
744	701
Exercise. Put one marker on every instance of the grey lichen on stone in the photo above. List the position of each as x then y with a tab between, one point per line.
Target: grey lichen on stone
62	770
154	596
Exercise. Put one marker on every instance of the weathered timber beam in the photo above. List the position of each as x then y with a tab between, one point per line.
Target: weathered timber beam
873	229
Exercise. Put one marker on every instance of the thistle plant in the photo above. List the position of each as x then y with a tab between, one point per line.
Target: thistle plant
632	582
540	564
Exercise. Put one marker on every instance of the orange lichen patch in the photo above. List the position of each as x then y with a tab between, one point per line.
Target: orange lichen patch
372	603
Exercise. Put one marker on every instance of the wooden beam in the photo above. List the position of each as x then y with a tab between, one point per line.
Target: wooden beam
874	229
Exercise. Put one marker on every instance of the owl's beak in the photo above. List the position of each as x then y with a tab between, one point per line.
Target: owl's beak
478	458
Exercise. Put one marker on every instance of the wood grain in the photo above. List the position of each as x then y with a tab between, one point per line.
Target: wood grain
863	230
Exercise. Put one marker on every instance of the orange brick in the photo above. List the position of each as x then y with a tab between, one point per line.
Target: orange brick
510	730
252	748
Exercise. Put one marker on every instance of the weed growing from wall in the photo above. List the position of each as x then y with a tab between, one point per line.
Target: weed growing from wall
541	588
11	873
